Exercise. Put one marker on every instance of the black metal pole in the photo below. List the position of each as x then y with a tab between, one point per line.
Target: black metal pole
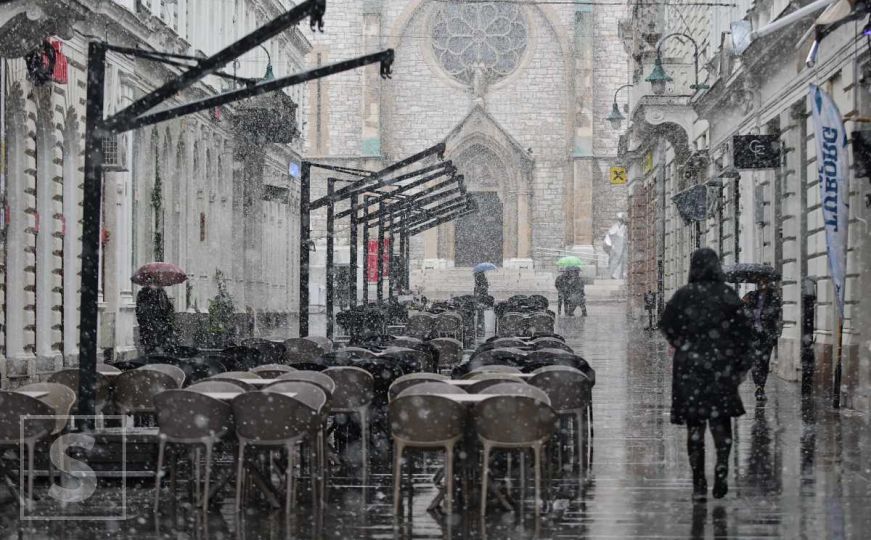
406	254
344	192
352	255
380	262
391	266
417	228
447	170
304	238
426	196
123	124
403	239
91	212
808	310
433	213
314	8
331	186
736	225
365	255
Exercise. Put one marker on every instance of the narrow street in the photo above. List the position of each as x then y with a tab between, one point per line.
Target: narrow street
792	476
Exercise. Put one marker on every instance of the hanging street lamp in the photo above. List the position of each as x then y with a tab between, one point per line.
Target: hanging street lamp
658	77
616	117
269	75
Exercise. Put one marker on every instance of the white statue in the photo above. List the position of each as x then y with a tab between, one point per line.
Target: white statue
616	247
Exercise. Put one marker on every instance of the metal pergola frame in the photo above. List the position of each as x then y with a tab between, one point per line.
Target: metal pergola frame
140	113
391	204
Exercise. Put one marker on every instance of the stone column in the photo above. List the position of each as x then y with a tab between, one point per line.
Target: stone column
371	128
509	228
431	249
579	180
18	256
524	231
45	168
582	208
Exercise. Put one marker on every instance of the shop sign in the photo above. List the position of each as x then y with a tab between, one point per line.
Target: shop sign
618	176
756	151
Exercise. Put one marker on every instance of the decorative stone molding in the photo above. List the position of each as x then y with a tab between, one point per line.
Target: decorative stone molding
669	117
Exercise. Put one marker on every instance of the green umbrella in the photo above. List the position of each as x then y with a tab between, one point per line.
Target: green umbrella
570	261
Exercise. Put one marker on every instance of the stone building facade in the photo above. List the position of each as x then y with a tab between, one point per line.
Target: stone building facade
518	92
202	192
682	139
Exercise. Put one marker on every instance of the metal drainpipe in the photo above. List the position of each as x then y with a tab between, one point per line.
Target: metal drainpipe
720	203
737	202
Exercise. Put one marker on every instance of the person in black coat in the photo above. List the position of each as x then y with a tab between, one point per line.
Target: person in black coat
156	318
482	286
706	324
765	310
570	286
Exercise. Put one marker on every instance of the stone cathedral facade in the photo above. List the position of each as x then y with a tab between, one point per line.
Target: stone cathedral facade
519	92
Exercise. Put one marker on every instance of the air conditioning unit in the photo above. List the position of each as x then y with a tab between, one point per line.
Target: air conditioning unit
114	154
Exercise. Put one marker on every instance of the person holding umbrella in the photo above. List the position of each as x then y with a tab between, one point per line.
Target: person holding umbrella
570	286
765	307
482	291
155	313
482	286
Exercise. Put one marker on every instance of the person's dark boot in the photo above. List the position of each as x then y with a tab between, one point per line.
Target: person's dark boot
721	484
700	489
697	464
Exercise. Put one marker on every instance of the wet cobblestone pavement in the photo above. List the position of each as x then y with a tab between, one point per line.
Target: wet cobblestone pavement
795	473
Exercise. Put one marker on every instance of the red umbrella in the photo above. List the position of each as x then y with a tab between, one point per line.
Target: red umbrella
162	274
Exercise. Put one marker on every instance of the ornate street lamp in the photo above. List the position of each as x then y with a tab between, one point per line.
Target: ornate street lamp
269	75
616	117
658	77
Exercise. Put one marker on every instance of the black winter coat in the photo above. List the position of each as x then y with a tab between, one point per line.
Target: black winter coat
706	324
156	317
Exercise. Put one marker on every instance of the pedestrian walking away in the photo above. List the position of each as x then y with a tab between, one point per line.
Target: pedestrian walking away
765	309
570	287
156	318
707	326
650	307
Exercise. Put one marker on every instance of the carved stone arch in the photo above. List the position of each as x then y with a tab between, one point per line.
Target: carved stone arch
672	121
676	136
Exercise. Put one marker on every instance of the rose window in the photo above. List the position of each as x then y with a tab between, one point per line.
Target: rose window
486	37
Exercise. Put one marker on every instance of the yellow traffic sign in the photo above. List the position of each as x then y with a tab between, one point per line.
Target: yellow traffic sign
618	175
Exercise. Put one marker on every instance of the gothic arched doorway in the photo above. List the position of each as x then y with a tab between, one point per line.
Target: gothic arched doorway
478	237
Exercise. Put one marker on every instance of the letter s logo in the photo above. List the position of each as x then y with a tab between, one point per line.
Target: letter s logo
87	480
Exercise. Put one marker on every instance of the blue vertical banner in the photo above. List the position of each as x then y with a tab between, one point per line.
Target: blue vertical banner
832	167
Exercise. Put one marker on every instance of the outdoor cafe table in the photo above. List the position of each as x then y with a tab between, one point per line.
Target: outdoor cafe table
229	396
36	394
259	382
260	478
468	471
470	382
